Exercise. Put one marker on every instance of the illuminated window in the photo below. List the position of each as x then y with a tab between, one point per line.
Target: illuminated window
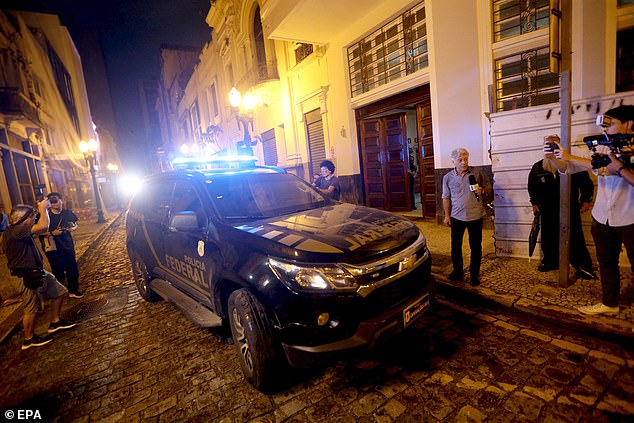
516	17
396	49
524	80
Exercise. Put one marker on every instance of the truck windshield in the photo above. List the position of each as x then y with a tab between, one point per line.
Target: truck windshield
260	196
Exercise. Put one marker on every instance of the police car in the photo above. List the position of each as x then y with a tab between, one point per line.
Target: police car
295	276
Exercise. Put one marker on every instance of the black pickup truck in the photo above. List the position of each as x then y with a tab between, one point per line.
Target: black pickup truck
294	274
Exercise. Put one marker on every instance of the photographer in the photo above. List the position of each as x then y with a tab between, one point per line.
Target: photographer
25	260
612	217
59	246
616	167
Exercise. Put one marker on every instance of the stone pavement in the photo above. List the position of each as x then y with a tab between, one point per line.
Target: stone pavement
510	282
515	283
10	309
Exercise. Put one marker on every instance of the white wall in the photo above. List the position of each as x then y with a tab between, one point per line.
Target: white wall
455	80
516	142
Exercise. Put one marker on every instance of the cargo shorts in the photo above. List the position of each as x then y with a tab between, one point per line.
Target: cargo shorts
33	299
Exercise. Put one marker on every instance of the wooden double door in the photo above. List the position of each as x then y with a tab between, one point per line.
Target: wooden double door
385	160
385	163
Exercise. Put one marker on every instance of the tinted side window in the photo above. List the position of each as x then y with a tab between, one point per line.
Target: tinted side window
186	198
156	200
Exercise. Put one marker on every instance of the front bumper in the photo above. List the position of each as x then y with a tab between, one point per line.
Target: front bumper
363	321
368	334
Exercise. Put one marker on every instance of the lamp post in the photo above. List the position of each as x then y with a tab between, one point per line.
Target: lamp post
247	102
89	149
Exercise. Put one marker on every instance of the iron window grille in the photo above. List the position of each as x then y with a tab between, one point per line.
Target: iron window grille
524	80
303	51
396	49
516	17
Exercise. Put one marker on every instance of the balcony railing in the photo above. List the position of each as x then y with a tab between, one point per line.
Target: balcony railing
12	102
257	74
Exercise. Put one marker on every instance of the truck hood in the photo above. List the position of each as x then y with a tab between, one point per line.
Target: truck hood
330	233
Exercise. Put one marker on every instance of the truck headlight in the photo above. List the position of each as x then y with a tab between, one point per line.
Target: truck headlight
324	278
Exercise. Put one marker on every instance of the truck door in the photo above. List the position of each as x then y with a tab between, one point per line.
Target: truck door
190	257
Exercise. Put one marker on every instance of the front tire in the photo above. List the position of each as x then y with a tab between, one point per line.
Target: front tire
253	338
142	278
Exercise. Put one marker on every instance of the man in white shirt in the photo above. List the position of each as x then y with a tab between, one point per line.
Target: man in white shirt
612	214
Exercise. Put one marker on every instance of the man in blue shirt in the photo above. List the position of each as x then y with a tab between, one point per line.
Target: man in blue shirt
462	191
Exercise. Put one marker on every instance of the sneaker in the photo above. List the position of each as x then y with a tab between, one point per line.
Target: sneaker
599	308
77	294
455	276
586	274
35	341
60	325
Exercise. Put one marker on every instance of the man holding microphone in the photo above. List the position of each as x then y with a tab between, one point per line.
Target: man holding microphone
462	189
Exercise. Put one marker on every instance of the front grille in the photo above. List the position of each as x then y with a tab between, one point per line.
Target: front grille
399	291
387	272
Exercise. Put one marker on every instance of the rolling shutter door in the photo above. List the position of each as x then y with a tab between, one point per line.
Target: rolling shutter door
269	147
316	142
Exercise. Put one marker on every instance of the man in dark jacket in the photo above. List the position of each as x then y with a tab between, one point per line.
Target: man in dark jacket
543	189
24	259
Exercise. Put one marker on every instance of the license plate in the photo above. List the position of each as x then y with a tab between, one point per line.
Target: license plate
415	310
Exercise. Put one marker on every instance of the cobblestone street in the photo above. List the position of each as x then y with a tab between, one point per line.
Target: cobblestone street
130	360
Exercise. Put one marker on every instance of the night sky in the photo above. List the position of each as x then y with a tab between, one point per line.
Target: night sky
131	32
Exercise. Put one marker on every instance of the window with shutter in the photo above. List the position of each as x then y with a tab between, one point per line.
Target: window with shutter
270	147
316	142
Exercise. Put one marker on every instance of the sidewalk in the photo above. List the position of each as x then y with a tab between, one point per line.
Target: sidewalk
509	282
516	284
11	311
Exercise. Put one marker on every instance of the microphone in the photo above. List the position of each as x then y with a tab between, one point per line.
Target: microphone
473	186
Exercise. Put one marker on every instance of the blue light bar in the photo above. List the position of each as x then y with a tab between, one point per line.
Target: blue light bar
216	162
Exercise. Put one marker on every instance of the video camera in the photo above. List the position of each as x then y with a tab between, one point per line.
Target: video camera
621	145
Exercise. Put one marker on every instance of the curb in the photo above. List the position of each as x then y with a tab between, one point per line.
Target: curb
602	327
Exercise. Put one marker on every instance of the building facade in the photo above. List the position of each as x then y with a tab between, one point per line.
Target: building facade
44	112
374	85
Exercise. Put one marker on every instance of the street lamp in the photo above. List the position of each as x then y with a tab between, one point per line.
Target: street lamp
89	149
247	102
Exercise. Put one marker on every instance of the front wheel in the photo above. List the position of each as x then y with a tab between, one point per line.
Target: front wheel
142	278
259	354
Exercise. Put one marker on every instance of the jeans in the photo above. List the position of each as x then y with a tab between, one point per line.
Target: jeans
608	240
474	227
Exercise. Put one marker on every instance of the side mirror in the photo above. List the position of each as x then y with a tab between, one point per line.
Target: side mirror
185	221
